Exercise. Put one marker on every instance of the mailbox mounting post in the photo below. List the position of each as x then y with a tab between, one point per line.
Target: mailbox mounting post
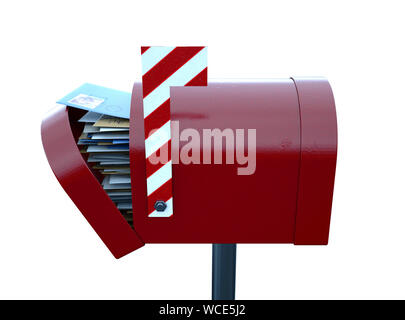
223	271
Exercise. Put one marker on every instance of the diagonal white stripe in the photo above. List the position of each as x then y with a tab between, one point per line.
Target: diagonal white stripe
164	214
158	178
180	78
154	55
157	139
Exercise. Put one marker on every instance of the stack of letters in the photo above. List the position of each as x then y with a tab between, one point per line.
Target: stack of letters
105	140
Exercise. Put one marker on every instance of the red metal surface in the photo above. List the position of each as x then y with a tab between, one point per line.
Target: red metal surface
58	132
211	202
318	160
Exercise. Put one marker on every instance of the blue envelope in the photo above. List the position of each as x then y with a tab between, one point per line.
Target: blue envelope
99	99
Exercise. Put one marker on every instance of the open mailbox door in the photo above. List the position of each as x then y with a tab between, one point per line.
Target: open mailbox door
60	132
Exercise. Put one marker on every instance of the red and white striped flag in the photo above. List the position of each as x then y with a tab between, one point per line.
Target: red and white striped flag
163	67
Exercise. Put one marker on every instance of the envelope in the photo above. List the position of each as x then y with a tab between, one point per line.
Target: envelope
120	179
112	122
124	205
111	148
99	99
109	162
90	117
109	135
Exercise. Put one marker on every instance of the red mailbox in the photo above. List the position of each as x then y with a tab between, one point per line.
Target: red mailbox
287	199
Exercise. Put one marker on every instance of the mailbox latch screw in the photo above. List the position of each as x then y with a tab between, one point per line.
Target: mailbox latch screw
160	206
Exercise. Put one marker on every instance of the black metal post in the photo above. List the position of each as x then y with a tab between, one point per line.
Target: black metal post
223	271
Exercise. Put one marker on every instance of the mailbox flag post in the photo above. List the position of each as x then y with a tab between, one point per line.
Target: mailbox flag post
165	67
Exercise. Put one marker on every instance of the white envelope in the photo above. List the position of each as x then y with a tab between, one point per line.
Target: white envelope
110	135
119	178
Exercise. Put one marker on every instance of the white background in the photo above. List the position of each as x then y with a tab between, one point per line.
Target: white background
48	48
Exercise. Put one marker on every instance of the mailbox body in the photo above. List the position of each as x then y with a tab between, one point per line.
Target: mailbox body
286	200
